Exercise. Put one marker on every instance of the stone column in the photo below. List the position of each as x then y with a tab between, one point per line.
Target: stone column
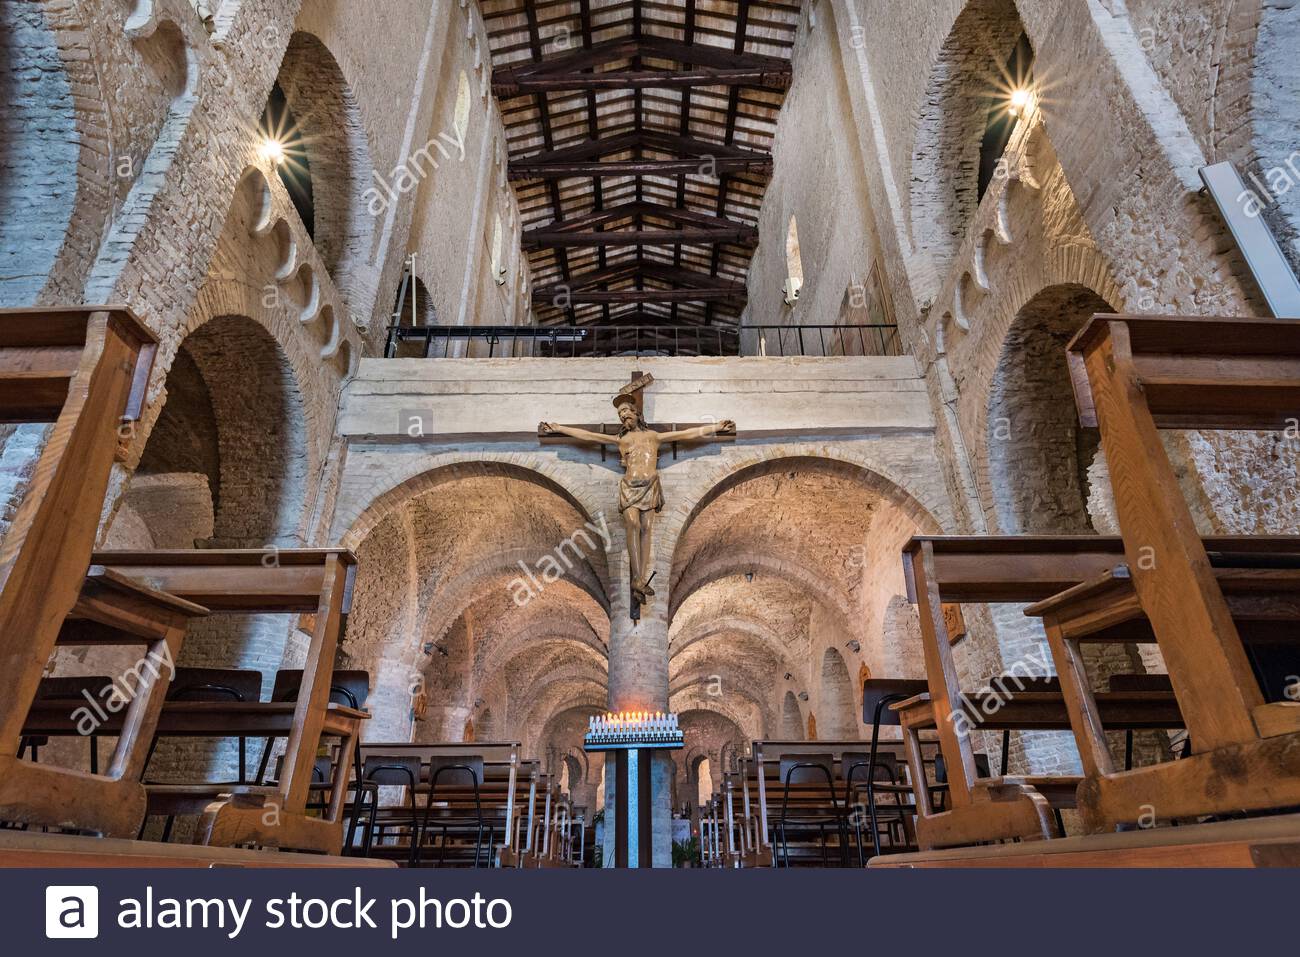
638	681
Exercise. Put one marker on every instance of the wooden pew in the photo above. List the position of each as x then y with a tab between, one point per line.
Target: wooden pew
1134	376
315	583
1258	842
83	371
31	849
944	572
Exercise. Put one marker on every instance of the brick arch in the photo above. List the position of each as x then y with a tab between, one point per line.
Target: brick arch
552	628
524	705
326	109
698	576
228	405
751	725
472	584
754	627
1076	278
877	476
1036	453
578	716
550	654
557	694
950	125
352	526
720	721
683	683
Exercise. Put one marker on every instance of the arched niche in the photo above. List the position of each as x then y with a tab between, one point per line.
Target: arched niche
1038	454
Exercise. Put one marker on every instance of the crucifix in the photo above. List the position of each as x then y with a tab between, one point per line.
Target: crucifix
640	494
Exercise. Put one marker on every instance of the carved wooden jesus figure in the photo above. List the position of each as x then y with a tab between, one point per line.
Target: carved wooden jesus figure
640	494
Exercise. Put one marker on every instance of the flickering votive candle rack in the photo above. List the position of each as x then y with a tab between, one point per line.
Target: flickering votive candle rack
633	737
633	729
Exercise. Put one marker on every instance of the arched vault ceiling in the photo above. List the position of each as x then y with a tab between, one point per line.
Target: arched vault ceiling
466	522
813	516
780	608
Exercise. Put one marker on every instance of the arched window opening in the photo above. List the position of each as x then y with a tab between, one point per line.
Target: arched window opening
460	119
413	306
793	264
705	778
498	261
791	720
1038	454
1007	100
284	143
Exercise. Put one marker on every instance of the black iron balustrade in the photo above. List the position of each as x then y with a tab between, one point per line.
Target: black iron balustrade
589	342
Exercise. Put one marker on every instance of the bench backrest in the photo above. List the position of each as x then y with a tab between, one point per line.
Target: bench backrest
85	370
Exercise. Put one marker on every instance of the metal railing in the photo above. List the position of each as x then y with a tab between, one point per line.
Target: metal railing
589	342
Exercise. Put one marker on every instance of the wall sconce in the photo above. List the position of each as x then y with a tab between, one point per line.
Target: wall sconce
853	645
803	696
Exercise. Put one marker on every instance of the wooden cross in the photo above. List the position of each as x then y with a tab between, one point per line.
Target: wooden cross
636	388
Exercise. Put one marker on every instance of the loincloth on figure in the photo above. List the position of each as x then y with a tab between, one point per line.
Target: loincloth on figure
644	495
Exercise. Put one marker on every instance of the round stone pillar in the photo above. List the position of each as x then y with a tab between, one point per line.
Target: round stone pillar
638	681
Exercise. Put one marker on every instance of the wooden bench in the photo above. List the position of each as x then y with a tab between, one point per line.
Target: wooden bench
82	371
1134	376
1261	842
315	583
941	574
30	849
1020	806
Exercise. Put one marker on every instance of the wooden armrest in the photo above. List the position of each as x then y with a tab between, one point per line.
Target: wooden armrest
914	703
110	580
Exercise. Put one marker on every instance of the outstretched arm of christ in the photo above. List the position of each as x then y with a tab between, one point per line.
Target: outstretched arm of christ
700	432
550	428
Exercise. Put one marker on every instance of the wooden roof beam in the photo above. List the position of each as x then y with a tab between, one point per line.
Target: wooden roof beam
550	296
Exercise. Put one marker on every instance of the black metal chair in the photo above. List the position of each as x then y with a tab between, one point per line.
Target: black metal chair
322	781
393	770
460	771
810	769
208	684
887	778
215	684
72	688
348	688
877	696
940	788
